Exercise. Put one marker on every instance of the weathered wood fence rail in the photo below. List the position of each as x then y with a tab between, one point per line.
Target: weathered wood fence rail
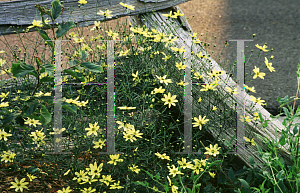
26	12
20	14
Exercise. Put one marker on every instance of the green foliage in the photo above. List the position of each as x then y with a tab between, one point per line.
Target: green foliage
22	69
161	129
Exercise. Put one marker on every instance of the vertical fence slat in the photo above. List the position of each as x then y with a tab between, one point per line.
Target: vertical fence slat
58	101
110	130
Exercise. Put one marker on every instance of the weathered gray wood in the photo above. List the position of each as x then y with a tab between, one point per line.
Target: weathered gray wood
27	12
185	40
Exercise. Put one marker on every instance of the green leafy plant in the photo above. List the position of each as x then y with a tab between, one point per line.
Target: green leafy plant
21	69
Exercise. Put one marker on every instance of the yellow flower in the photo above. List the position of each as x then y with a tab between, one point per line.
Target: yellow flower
199	99
250	141
196	41
99	143
200	121
180	66
212	174
157	90
169	100
269	65
215	73
166	57
127	6
57	131
107	13
122	53
258	101
212	150
78	40
178	14
169	40
174	189
114	159
95	170
135	75
262	48
129	136
3	95
185	164
134	168
198	76
112	34
162	156
32	122
82	2
214	108
201	56
173	171
182	83
88	180
67	190
251	89
92	129
90	190
246	118
19	185
194	35
163	79
169	15
67	172
4	135
8	156
231	90
31	177
178	50
106	179
116	186
208	87
257	73
37	23
2	62
126	108
256	116
80	176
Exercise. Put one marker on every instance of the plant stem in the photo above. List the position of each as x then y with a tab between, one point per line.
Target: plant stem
298	130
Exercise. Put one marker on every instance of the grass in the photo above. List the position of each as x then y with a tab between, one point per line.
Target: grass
148	159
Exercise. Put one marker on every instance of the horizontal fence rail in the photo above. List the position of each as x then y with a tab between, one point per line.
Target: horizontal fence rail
20	14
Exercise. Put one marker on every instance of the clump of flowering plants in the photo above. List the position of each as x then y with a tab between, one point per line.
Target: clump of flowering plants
21	69
149	120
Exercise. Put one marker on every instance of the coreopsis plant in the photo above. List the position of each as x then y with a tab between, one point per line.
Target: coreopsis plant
21	69
144	142
19	185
